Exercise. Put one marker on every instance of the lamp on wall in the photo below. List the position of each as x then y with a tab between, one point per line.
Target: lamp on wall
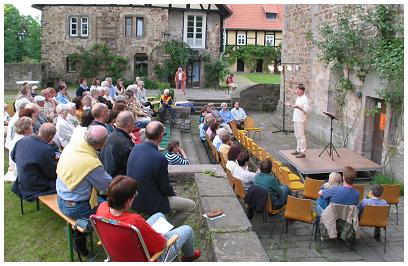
283	67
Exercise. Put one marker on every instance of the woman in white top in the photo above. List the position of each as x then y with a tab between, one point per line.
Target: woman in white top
232	157
23	127
64	128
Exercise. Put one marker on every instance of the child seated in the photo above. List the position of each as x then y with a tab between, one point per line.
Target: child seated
376	192
335	180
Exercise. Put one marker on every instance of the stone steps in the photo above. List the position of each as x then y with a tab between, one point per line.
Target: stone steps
201	153
189	147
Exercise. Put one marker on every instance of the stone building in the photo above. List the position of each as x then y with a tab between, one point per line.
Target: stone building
253	25
355	129
132	31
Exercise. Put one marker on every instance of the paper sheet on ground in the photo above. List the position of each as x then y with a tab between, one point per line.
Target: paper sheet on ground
219	216
161	226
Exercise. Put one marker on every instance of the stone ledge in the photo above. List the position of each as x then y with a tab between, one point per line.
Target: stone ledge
209	186
237	246
183	172
182	118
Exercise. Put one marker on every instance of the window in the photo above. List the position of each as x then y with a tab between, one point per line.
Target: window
128	27
71	65
270	40
78	27
134	26
271	16
139	27
195	29
241	39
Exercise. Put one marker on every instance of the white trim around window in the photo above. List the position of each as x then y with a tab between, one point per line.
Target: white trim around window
241	39
78	26
270	40
195	29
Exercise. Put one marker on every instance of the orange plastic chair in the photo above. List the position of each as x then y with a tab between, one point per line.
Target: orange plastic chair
295	186
275	168
300	210
262	154
375	216
249	125
392	195
269	209
360	189
312	187
239	188
230	177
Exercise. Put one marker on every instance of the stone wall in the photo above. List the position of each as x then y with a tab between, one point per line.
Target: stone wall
319	80
182	118
19	71
261	97
106	25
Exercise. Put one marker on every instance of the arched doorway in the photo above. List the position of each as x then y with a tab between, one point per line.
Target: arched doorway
140	65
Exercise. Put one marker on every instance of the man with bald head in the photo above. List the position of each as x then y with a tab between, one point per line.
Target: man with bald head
149	167
80	174
36	164
115	153
100	112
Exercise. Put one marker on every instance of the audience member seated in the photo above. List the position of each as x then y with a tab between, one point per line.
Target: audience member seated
345	194
19	105
42	117
64	128
120	87
110	122
150	168
36	164
335	180
241	172
278	193
175	155
23	127
79	131
239	115
62	95
166	102
230	82
211	109
212	131
78	108
376	192
83	86
50	104
225	114
225	145
115	153
80	174
203	112
71	118
217	139
232	157
32	110
121	194
100	112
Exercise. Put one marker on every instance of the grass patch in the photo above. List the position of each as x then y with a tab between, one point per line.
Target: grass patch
262	78
380	178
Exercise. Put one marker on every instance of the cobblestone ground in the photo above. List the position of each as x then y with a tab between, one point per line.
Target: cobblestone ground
294	245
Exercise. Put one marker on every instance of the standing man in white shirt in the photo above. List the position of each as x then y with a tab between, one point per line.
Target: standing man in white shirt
239	115
301	108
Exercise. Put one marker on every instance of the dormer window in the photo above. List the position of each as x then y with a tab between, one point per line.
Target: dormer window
271	16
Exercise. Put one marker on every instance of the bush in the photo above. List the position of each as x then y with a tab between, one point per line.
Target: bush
387	179
215	71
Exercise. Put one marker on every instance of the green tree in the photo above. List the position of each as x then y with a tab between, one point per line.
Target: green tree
22	37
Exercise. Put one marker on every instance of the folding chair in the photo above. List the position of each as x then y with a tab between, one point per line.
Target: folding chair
301	210
249	125
239	188
230	178
312	187
391	194
295	186
360	189
124	242
375	216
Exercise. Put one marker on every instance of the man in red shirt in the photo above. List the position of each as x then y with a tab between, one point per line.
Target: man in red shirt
121	193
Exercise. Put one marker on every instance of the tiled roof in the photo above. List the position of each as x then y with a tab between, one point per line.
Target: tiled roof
254	17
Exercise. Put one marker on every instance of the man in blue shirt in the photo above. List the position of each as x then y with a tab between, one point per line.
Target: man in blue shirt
225	114
346	194
112	92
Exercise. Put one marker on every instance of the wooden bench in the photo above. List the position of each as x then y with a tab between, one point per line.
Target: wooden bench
51	201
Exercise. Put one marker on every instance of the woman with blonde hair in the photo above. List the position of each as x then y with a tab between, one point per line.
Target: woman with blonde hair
335	180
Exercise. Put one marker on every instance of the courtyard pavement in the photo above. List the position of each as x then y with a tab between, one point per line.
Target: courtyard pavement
294	245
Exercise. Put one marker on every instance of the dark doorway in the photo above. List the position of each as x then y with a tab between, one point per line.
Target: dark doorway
140	65
259	66
193	74
378	131
240	65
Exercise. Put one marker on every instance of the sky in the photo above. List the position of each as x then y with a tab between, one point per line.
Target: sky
25	9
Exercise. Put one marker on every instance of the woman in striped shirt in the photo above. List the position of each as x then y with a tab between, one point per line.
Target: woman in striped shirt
175	155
